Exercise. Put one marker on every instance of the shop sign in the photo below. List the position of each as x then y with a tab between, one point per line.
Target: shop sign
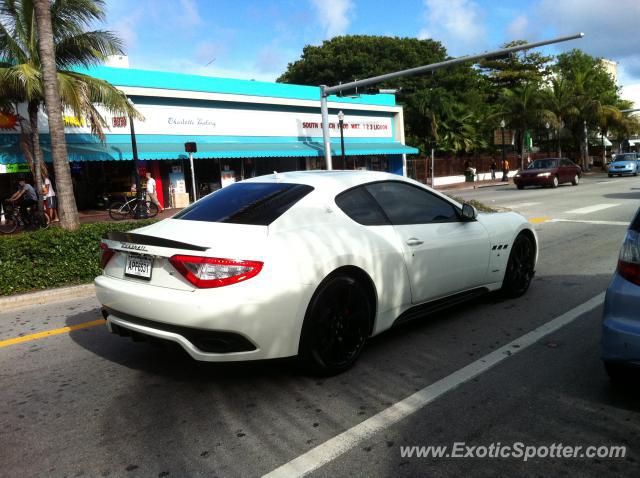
14	168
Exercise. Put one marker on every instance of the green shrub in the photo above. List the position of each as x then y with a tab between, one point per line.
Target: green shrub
54	257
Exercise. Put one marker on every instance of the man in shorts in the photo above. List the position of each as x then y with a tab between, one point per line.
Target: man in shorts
152	194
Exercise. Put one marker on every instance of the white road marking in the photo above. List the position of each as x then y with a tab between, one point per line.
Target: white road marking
607	223
340	444
524	204
590	209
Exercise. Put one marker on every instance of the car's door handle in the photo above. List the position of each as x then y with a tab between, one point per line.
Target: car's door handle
414	242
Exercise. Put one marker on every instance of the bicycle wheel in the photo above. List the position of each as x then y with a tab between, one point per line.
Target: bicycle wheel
119	210
8	225
41	220
152	209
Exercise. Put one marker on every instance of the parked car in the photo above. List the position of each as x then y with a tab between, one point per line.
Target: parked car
621	324
307	263
625	163
549	172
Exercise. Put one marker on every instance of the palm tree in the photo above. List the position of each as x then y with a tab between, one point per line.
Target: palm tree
522	108
22	67
560	101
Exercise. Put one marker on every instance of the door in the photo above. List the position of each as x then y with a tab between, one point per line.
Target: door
443	253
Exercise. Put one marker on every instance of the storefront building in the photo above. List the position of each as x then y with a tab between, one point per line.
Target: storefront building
241	129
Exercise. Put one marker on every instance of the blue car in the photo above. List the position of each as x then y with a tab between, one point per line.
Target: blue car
625	163
621	324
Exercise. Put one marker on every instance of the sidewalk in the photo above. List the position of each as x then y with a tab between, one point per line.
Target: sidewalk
90	216
474	185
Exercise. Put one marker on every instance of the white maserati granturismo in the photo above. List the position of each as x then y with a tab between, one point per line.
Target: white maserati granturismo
309	264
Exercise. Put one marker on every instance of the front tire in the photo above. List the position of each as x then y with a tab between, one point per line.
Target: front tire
555	182
118	211
520	186
336	326
520	267
9	225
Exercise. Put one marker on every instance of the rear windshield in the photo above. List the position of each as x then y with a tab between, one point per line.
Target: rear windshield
257	204
544	164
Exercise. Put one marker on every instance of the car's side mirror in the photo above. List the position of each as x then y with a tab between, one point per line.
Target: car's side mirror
469	213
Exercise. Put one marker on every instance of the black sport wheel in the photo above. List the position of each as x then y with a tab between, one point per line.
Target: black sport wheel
520	267
555	182
576	180
336	327
119	211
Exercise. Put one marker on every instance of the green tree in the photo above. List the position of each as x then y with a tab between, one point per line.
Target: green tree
347	58
558	98
516	69
22	79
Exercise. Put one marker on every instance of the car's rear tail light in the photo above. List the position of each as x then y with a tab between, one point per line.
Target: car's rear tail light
629	260
208	272
106	256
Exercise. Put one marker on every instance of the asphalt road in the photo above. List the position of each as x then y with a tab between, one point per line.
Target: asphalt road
87	403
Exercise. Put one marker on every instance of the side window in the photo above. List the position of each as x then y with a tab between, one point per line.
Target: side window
407	204
358	204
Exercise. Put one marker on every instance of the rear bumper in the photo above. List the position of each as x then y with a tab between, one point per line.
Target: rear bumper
241	314
621	324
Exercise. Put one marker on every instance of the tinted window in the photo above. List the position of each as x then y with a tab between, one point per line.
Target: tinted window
358	204
407	204
566	162
257	204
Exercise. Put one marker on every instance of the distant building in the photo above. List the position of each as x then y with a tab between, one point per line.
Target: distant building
610	67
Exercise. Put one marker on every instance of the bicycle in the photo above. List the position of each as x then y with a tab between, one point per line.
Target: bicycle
119	210
11	218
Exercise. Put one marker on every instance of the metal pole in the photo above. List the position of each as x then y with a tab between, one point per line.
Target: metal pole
324	108
503	155
325	91
193	178
433	168
344	161
586	147
141	209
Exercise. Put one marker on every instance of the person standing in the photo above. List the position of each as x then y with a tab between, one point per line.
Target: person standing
152	192
505	170
493	168
50	198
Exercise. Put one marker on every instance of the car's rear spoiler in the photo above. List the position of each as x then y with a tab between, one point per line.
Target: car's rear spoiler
133	238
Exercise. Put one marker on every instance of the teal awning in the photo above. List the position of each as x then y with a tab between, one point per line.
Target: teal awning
110	151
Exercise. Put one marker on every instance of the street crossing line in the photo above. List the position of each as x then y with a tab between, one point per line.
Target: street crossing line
584	221
347	440
590	209
524	204
48	333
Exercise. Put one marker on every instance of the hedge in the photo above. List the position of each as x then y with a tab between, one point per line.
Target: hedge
54	257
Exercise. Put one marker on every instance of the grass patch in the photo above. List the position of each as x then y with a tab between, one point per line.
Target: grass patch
54	257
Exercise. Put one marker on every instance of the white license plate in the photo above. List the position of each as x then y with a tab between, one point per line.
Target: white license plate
138	266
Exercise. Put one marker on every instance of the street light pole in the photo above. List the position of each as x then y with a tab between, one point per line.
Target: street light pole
502	125
325	90
547	126
341	123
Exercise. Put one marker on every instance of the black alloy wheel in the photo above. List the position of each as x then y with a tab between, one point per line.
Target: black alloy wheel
520	268
336	327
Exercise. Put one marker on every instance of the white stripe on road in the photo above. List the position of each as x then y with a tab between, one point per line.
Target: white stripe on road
336	446
590	209
524	204
607	223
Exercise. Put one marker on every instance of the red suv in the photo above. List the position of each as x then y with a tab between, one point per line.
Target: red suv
549	172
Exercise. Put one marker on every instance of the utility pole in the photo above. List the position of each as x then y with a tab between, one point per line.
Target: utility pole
325	90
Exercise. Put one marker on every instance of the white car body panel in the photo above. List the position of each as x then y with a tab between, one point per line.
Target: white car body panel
299	250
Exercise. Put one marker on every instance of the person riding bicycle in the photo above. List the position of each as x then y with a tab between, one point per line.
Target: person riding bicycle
28	200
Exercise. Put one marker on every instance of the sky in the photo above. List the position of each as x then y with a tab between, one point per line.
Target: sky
256	39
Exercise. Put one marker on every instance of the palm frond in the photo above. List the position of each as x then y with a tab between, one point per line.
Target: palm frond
87	48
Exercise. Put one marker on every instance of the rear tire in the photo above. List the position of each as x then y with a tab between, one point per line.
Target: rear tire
520	267
41	220
118	211
520	186
9	226
576	180
336	326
